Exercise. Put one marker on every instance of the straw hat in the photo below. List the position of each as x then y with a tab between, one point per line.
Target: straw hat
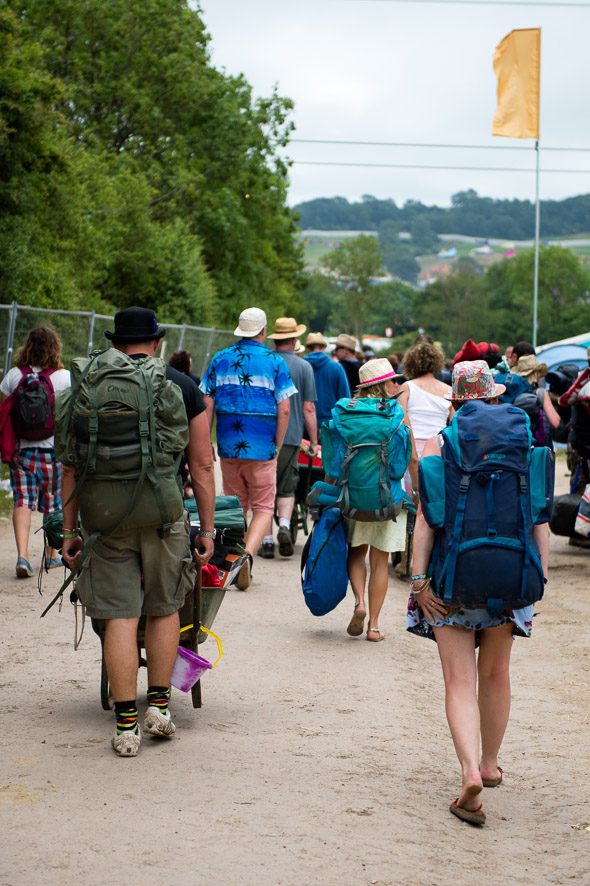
287	327
375	371
528	366
315	338
299	349
251	322
473	380
346	341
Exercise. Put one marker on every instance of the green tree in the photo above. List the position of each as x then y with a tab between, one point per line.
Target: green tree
141	90
356	264
455	309
392	306
563	294
322	304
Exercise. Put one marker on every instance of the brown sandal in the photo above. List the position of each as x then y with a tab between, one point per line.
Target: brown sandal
355	628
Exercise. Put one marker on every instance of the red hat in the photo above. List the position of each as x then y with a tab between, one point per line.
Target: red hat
482	351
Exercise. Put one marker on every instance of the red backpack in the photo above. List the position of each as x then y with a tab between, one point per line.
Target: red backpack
32	407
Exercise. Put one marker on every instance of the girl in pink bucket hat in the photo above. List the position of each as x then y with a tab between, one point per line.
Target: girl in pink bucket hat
377	540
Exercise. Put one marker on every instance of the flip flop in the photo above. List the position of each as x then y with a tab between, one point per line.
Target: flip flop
355	628
493	782
478	816
381	636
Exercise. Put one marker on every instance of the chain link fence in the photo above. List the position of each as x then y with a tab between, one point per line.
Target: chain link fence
83	331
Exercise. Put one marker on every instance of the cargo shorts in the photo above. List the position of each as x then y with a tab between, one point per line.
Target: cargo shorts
110	582
287	471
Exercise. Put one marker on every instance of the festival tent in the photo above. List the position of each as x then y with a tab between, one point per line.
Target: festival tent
567	350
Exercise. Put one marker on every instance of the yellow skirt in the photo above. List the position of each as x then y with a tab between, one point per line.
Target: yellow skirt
386	536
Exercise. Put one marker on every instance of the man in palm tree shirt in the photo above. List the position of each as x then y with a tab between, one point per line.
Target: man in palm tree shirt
247	387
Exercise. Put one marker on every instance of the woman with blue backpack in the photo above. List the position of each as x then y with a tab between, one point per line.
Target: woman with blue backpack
480	559
378	538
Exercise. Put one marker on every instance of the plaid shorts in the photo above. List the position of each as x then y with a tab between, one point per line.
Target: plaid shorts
35	477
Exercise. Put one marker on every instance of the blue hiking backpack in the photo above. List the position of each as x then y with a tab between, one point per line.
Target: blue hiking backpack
483	497
366	448
514	384
324	569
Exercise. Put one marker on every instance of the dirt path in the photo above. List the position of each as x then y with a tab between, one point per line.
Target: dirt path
315	759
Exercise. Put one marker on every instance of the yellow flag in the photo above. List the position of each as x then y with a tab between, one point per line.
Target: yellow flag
517	63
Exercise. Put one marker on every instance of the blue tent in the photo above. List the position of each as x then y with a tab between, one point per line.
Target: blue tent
555	355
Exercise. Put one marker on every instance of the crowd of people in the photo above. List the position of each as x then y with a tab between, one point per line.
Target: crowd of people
257	408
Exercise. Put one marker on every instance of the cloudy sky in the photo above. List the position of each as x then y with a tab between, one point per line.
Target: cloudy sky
408	71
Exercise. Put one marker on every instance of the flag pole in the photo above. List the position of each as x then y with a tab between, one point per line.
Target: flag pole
537	226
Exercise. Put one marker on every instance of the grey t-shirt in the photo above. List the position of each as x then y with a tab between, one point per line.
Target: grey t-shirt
304	381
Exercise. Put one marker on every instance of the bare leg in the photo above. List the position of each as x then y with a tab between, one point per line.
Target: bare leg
257	529
357	572
285	507
161	642
493	668
456	647
379	562
121	657
21	520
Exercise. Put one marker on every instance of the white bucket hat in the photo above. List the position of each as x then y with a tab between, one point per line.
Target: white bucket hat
251	322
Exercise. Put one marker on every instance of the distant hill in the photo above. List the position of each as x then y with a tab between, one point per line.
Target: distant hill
468	214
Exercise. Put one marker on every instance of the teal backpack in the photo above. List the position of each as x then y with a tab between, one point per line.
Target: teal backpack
366	448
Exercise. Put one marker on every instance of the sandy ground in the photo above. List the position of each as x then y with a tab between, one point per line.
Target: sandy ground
316	758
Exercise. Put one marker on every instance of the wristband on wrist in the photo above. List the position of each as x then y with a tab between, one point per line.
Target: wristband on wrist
419	576
207	533
73	533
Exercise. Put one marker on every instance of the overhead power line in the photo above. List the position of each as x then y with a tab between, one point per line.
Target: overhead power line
480	3
330	141
418	166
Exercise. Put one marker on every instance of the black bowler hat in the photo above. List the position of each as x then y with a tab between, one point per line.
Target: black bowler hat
135	324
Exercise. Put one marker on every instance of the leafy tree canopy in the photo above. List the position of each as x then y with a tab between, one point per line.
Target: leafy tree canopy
468	214
157	175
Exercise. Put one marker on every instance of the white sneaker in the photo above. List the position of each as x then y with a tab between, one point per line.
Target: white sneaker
126	744
157	723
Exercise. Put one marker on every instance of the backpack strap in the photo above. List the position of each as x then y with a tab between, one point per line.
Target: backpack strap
150	458
343	500
75	572
451	564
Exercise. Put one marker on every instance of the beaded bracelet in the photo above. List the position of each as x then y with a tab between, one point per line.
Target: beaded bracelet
415	591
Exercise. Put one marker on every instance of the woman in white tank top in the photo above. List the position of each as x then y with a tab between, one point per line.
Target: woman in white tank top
423	395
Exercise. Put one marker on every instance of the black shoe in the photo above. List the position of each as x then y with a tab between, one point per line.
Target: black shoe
285	542
266	550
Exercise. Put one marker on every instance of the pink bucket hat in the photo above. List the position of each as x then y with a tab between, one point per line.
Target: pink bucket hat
375	371
473	380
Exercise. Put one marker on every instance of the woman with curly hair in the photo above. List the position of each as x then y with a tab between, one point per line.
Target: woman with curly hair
423	396
35	476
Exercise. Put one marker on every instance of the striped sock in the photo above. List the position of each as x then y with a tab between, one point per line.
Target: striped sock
158	697
126	714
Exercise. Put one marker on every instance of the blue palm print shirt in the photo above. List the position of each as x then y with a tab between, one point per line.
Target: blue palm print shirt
247	381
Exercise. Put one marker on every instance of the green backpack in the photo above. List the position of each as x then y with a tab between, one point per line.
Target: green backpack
122	426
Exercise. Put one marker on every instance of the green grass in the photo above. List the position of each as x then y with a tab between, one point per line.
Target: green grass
6	505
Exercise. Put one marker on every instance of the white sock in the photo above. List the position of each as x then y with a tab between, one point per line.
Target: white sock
284	522
268	540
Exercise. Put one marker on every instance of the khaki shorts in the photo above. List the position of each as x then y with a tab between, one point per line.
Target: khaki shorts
287	471
110	584
253	481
